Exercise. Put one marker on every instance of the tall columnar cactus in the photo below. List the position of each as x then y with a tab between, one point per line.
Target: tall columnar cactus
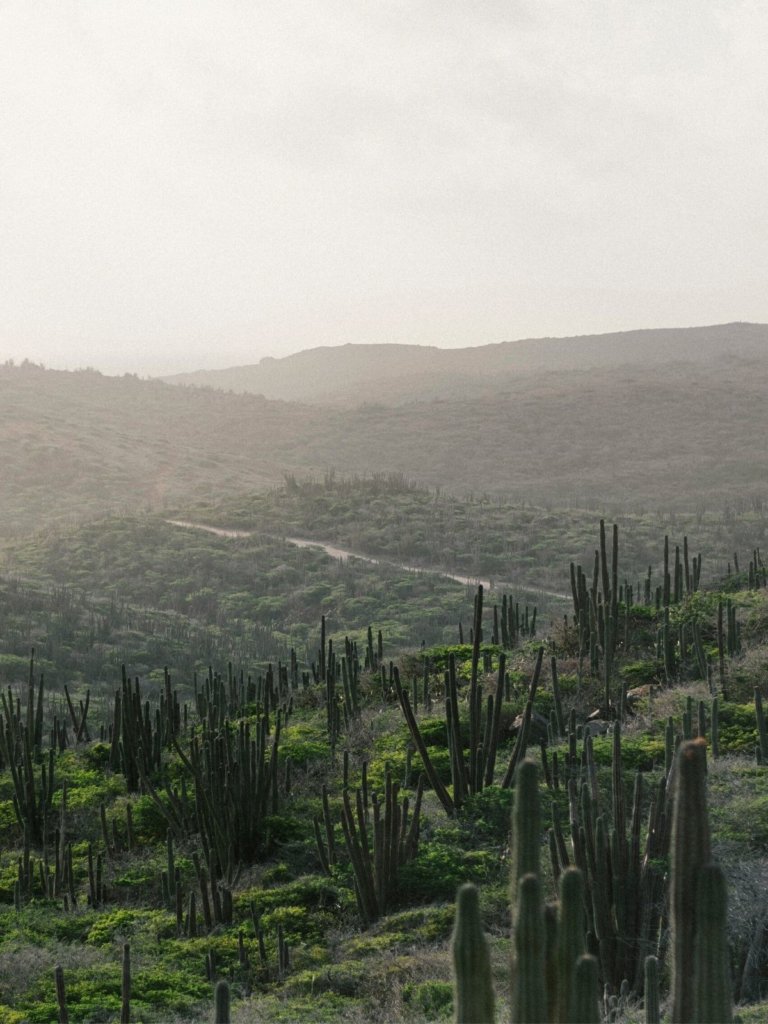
596	611
700	990
221	1003
473	988
651	991
712	998
552	980
529	995
623	912
125	986
376	861
570	942
586	1009
526	826
61	995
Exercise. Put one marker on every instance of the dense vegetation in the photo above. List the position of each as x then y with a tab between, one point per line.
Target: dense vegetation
138	591
240	770
227	828
512	543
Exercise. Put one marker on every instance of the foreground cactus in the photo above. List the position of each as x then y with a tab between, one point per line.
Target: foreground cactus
221	1003
473	1002
701	992
553	979
651	991
712	992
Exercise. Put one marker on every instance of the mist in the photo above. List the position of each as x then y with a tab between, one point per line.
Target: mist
192	186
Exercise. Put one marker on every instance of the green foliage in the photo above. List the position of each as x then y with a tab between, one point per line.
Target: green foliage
306	907
304	744
88	785
638	753
639	673
402	928
345	979
433	999
149	824
119	926
489	812
440	867
739	805
738	730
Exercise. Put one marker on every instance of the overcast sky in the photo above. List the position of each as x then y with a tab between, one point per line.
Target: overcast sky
200	183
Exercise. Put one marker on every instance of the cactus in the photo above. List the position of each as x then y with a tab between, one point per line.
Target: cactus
651	991
529	998
586	1001
473	770
448	802
715	728
712	1001
125	988
376	863
526	828
474	1000
700	987
690	851
570	943
548	978
221	1003
552	977
61	995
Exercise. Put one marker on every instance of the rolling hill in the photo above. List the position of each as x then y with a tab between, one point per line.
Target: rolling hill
395	374
660	434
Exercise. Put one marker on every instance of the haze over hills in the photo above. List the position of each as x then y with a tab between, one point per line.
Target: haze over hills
395	374
598	427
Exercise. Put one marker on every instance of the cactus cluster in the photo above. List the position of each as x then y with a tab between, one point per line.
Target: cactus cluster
474	769
555	975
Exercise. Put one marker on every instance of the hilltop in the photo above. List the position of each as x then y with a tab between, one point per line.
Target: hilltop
395	374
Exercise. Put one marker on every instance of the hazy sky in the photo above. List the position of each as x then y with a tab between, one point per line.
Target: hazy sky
197	184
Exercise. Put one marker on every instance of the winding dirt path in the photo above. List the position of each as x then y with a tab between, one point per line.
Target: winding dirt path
344	554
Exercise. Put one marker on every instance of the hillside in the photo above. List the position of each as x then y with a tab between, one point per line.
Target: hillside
396	374
73	445
120	590
666	436
214	833
519	547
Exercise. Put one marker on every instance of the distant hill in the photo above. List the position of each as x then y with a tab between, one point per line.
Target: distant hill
658	434
395	374
73	445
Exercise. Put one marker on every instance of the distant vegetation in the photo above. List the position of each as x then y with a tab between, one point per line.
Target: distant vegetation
132	590
524	546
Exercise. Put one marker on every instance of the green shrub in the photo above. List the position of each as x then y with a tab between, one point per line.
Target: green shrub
304	744
438	870
434	999
489	812
121	924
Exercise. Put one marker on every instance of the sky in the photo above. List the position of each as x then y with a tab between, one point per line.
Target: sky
201	183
